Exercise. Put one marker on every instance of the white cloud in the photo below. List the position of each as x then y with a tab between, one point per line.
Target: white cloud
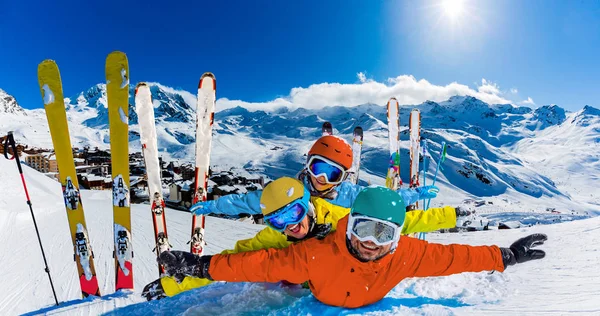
514	91
405	88
489	87
361	77
529	101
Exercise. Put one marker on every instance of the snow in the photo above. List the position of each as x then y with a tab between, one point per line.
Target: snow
565	282
25	284
48	95
123	116
124	78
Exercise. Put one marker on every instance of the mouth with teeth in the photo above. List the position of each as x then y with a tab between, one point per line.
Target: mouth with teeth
321	182
368	248
294	228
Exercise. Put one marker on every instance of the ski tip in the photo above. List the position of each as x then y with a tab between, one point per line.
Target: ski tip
47	62
140	84
47	66
116	54
208	75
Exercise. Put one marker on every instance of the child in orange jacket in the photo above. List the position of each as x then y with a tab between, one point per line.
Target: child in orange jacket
359	265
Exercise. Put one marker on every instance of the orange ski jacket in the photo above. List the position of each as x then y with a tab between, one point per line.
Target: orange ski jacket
337	278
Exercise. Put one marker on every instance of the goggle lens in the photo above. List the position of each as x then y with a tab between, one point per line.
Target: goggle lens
319	167
381	232
292	214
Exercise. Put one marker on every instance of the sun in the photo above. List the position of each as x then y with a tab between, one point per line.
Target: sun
453	8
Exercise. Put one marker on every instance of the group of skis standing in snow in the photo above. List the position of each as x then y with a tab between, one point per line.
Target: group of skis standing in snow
343	241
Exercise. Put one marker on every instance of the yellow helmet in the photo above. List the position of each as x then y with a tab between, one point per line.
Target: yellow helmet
282	192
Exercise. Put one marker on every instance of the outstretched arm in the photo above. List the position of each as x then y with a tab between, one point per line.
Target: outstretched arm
264	239
267	265
233	205
420	221
439	260
411	196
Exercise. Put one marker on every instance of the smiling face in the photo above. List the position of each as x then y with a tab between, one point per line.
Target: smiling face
368	250
299	230
320	184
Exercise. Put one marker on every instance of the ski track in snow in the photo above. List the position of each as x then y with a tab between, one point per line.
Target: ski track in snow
566	281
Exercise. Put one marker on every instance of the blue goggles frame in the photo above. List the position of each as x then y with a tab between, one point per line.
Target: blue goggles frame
321	166
291	214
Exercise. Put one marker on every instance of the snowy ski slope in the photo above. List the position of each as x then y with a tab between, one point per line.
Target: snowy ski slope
566	282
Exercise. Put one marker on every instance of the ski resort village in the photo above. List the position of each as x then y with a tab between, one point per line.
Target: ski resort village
435	157
93	169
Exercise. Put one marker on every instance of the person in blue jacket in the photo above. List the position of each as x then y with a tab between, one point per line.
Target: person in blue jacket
324	175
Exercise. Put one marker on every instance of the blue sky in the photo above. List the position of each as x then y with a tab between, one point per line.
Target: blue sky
260	50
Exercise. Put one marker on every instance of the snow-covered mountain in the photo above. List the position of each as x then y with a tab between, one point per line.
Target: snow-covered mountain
504	153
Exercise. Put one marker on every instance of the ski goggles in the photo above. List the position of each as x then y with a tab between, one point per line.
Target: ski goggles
290	214
320	166
372	229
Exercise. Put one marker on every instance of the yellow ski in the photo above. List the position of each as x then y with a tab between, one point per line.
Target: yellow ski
117	91
52	94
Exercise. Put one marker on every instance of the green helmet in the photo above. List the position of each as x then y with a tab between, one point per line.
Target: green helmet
381	203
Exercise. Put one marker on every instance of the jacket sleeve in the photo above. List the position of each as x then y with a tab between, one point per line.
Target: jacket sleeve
346	194
440	260
232	204
267	265
265	239
410	196
420	221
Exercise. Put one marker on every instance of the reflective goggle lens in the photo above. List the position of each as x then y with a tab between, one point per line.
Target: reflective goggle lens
383	233
333	173
290	215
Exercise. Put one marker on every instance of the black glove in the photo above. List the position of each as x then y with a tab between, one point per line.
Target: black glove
520	251
462	212
178	263
322	230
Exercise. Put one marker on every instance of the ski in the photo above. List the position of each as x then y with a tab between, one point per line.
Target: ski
357	141
52	94
327	129
414	126
393	179
117	91
145	112
205	113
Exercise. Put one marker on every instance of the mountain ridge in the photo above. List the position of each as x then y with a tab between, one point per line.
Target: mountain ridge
488	155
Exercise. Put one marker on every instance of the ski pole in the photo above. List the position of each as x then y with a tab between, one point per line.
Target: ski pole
10	139
424	167
422	235
440	161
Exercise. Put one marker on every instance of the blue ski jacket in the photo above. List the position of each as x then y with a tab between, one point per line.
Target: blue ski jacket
343	195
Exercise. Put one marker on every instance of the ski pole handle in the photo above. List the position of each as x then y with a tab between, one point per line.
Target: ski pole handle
6	144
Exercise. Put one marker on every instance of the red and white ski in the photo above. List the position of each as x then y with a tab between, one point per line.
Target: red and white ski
393	179
357	142
145	112
205	112
415	140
